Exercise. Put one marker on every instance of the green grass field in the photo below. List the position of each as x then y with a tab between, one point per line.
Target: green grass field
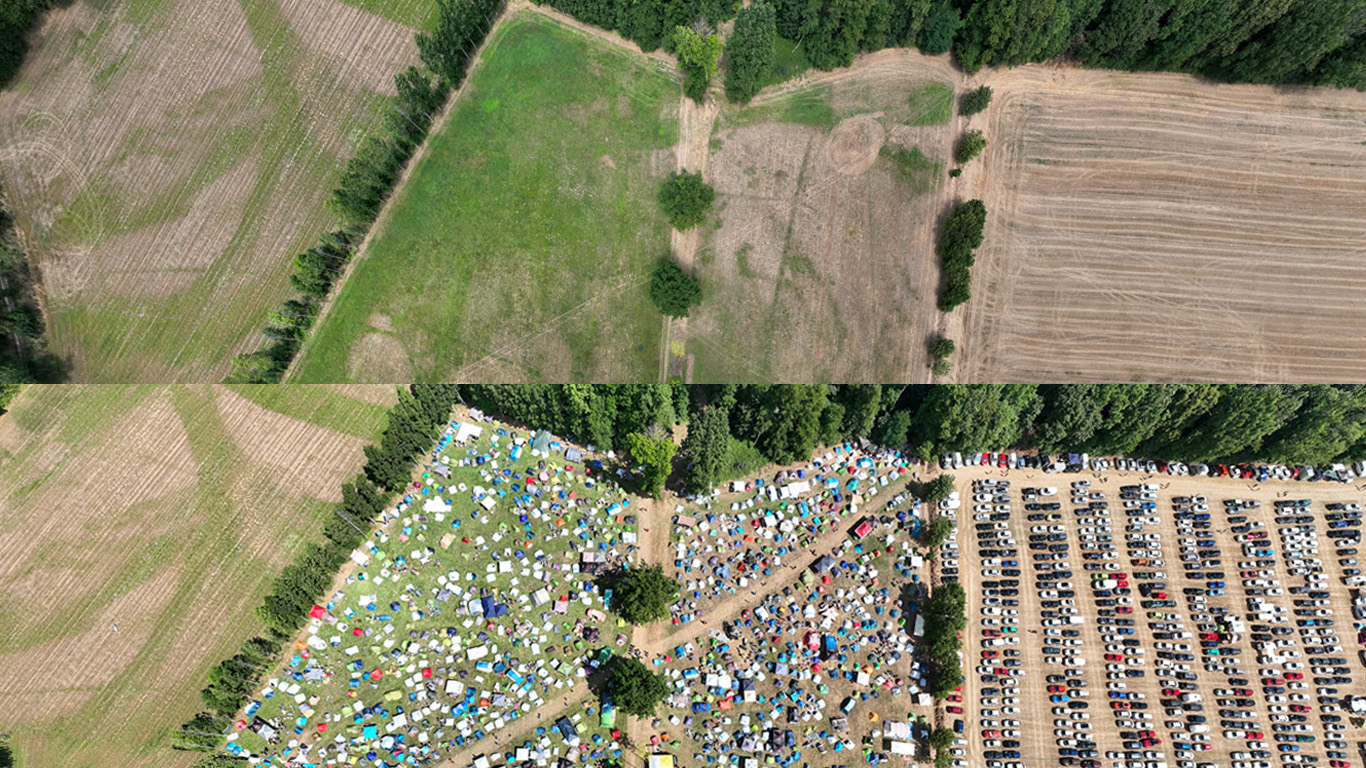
521	245
159	511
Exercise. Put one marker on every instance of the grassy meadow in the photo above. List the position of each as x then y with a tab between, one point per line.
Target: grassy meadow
521	245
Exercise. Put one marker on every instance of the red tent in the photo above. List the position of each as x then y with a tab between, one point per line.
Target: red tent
357	631
426	673
317	612
377	674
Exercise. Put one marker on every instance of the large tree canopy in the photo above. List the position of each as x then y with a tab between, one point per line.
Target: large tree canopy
644	594
636	690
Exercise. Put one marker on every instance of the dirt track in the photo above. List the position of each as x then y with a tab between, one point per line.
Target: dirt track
1154	226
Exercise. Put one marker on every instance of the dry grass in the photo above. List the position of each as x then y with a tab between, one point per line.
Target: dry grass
167	158
821	268
165	512
1153	227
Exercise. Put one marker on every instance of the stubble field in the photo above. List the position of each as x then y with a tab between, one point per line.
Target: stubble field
1154	227
822	267
166	158
164	512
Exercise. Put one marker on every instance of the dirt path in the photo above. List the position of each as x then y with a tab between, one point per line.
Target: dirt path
518	729
692	154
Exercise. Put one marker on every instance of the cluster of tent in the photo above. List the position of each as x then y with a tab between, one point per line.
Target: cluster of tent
474	631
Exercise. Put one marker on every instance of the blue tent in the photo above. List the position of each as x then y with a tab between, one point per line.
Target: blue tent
487	604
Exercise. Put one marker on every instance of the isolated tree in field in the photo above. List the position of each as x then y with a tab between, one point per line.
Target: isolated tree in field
686	199
938	489
674	291
656	456
970	146
941	348
938	531
636	690
749	51
697	55
705	449
941	739
644	594
975	101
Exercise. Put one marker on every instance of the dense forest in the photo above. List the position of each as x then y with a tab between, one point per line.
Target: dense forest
734	429
17	19
1321	42
24	356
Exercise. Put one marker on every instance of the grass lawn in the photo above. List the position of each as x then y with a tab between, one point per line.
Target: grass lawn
538	195
153	510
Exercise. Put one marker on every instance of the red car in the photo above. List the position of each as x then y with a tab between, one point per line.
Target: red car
955	697
990	654
1114	657
1254	735
1124	609
1294	676
1120	705
991	633
1208	636
991	734
1272	681
1242	691
954	710
1301	708
1057	689
1170	692
1002	462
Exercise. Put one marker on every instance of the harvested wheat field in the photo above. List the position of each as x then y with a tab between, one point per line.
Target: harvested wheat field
828	191
166	158
1156	227
164	513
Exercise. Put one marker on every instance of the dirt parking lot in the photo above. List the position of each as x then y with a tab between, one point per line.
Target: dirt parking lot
1036	745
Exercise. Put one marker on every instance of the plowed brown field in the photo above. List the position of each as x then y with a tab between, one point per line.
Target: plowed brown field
1153	227
140	528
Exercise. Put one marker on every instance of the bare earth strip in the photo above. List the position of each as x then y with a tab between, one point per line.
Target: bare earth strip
141	527
1152	227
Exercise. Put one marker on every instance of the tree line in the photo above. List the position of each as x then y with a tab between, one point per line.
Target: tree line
958	239
1316	42
946	615
368	180
24	356
734	430
413	426
650	23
